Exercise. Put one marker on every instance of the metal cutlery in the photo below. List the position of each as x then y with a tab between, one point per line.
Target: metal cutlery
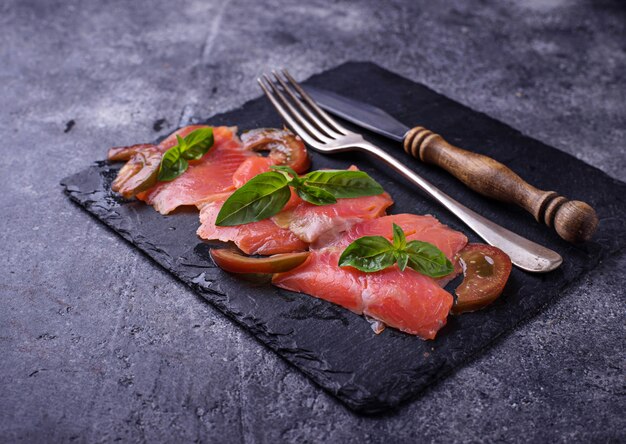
322	133
574	221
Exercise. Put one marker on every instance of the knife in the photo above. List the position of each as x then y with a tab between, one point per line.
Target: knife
575	221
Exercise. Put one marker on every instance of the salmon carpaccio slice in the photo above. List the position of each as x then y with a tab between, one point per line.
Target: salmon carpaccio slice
209	176
319	223
263	237
424	228
408	300
294	228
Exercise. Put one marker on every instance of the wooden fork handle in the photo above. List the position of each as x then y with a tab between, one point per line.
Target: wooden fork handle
573	220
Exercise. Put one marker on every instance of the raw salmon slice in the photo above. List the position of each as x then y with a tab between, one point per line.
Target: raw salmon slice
423	228
296	226
408	301
250	168
263	237
211	175
320	276
304	223
313	223
292	229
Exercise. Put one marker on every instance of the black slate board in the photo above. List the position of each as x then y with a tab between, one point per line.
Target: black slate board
334	347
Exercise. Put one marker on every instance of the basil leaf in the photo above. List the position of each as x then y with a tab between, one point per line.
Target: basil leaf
197	143
368	253
290	174
267	193
192	147
314	195
403	259
375	253
172	165
261	197
399	239
286	169
344	183
427	259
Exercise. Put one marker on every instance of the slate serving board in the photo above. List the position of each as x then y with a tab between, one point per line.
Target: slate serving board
334	347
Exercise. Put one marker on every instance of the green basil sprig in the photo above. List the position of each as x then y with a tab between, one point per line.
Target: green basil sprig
266	194
375	253
192	147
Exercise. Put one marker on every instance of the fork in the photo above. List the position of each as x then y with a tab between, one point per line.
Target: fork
323	134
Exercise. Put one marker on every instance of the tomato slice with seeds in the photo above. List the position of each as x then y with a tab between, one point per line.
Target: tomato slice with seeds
486	270
285	148
235	262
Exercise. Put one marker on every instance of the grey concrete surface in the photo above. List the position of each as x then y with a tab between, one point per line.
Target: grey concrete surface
97	344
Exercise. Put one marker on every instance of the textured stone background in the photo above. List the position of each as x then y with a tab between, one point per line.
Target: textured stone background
98	344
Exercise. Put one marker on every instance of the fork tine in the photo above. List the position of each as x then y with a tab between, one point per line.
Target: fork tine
285	115
304	123
329	120
305	109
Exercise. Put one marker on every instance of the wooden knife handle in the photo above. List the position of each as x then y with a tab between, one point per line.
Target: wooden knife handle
573	220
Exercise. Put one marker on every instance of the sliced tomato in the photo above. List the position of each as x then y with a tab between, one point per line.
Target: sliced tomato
140	172
486	270
118	153
285	148
235	262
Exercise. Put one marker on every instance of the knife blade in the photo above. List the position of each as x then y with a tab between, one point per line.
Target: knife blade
361	114
575	221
